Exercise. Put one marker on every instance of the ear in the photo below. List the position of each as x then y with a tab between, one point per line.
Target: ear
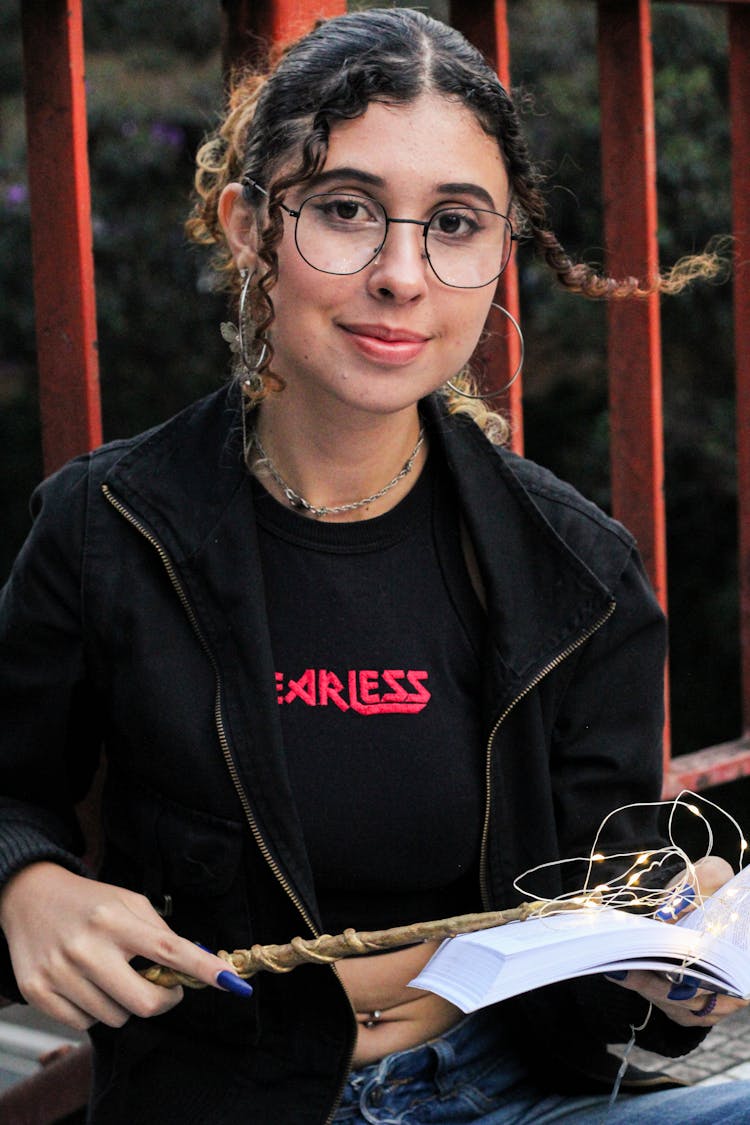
238	223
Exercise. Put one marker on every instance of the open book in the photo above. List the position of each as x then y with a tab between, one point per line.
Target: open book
711	944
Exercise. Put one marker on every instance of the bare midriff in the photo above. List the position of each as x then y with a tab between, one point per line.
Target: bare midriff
390	1015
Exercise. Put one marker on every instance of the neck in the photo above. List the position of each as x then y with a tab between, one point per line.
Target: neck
330	466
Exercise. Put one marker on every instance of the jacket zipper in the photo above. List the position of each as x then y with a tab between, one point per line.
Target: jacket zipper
226	750
218	718
562	656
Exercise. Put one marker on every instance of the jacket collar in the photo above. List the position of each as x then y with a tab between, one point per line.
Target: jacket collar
182	478
187	482
541	596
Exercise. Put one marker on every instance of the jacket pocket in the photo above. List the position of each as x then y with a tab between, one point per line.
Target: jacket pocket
166	848
189	863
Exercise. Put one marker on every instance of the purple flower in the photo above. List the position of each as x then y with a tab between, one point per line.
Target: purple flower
171	135
16	194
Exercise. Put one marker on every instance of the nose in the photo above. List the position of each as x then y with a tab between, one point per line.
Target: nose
399	272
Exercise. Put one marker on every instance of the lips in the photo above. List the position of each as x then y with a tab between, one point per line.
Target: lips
383	332
393	347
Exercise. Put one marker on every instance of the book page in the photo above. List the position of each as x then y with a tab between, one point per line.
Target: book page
726	914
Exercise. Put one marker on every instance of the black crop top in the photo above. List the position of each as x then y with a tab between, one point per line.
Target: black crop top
376	634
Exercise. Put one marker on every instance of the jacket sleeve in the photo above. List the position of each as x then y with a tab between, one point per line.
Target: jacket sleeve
48	736
606	764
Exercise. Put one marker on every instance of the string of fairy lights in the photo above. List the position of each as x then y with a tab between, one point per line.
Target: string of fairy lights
628	887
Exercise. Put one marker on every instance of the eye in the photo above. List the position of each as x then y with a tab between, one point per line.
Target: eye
454	223
345	210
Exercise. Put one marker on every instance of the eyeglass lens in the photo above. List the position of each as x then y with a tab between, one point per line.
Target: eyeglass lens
337	233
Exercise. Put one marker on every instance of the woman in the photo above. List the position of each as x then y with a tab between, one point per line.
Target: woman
350	663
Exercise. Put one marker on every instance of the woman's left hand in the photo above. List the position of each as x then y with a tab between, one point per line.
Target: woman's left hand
710	874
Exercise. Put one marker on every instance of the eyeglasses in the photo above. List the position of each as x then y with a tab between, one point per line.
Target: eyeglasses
339	233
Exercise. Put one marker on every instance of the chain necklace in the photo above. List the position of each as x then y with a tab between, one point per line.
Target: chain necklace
296	501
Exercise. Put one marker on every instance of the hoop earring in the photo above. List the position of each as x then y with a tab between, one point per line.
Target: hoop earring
516	373
235	337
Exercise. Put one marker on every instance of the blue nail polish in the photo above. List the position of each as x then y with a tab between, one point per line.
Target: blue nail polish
618	975
203	947
692	982
683	978
676	905
682	991
232	983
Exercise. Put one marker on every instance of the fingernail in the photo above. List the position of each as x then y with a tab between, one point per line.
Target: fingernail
619	975
676	905
692	982
232	983
683	978
682	991
203	947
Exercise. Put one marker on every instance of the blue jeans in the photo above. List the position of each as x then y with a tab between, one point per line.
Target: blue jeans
473	1076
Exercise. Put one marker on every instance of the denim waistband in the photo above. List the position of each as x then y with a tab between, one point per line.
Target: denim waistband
459	1055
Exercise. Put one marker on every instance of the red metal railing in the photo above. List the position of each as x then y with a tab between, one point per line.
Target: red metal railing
730	760
61	229
249	25
633	327
64	284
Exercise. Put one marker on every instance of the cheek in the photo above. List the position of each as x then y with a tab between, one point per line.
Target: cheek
300	289
304	295
468	323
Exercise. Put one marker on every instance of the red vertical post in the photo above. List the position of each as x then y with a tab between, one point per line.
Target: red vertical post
61	228
630	224
626	90
249	27
485	24
739	94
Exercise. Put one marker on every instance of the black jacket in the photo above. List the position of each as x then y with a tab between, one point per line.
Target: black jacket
134	622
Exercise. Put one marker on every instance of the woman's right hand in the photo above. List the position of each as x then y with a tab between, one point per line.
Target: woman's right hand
71	940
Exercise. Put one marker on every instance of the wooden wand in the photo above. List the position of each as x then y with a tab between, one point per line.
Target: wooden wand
328	948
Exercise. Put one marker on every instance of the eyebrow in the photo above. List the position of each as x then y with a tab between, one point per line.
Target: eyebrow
468	189
368	179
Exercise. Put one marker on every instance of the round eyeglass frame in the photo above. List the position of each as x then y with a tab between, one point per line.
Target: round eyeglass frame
249	185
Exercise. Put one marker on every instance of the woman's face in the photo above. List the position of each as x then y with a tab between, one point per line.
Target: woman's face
379	340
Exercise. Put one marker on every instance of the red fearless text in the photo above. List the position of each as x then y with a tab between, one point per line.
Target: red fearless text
392	691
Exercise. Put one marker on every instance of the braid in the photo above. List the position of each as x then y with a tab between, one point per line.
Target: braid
531	214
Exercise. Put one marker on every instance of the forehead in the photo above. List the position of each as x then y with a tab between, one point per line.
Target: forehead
430	141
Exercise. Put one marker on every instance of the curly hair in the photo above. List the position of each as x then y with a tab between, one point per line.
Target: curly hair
277	127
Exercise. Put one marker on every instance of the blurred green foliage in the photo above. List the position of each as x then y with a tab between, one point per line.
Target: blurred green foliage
154	88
